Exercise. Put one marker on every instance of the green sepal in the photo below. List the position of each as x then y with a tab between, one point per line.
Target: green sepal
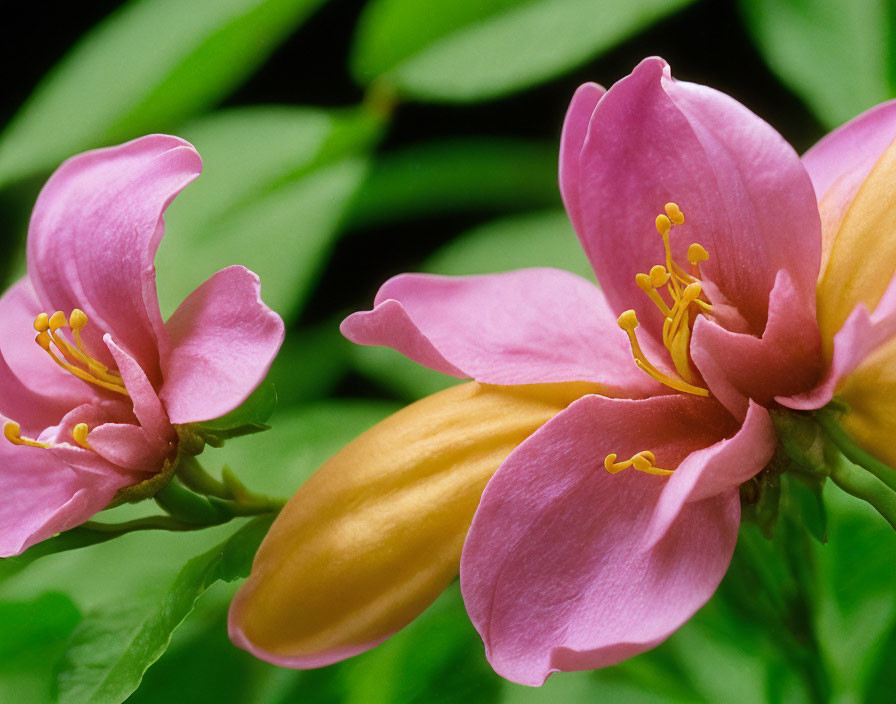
802	440
760	499
804	495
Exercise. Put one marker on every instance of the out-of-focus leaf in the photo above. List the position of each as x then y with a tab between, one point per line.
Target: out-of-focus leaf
142	70
467	50
300	440
73	539
310	363
274	186
836	55
541	239
807	494
251	416
475	174
112	648
33	636
856	612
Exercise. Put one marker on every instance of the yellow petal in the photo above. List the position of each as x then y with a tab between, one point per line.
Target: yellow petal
376	534
863	255
870	392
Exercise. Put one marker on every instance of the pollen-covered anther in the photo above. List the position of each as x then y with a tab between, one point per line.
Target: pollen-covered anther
674	213
79	433
697	254
13	432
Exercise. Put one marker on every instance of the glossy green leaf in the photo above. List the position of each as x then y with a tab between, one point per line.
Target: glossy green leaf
837	56
144	69
466	175
271	196
113	647
467	50
251	416
33	636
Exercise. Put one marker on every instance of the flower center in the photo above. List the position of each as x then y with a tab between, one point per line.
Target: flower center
76	360
685	301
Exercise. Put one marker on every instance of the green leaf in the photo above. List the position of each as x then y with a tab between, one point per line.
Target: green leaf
474	174
311	362
251	417
274	186
837	56
144	69
531	240
467	50
33	636
113	647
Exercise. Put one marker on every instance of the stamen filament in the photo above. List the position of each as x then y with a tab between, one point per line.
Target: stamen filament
12	432
643	461
43	339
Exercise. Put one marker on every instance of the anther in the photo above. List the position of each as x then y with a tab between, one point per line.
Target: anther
79	433
78	318
658	275
628	320
663	224
674	213
12	432
697	254
42	323
58	320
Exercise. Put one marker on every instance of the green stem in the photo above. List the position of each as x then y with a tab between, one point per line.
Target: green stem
853	453
181	503
196	478
148	523
863	485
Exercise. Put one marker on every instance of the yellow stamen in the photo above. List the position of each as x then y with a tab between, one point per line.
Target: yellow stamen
12	431
628	321
45	340
79	433
684	291
644	461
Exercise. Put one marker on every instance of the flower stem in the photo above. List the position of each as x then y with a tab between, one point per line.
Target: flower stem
863	485
196	478
147	523
853	453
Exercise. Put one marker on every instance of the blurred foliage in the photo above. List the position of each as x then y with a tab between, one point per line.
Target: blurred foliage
326	200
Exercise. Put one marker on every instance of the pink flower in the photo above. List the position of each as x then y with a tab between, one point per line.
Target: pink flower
91	405
607	528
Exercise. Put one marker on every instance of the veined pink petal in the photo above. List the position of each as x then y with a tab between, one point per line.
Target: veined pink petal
93	236
42	389
841	161
786	360
556	573
745	195
575	129
42	496
126	446
715	470
860	336
521	327
148	408
223	340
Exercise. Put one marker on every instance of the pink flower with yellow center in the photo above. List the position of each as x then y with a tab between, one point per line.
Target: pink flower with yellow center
600	533
93	383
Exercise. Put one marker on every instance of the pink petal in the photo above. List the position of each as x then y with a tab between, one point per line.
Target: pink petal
556	573
41	390
745	195
860	336
521	327
575	129
786	360
93	237
841	161
715	470
126	446
148	407
42	496
223	340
